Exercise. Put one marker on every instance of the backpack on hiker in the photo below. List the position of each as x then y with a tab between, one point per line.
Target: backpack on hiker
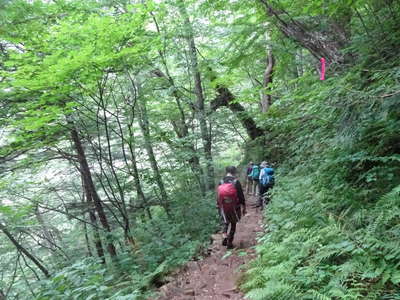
248	172
255	173
227	197
267	177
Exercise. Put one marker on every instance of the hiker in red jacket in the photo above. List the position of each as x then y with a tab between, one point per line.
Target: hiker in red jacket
230	200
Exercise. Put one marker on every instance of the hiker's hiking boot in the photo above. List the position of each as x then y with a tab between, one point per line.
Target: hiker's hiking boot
224	242
229	244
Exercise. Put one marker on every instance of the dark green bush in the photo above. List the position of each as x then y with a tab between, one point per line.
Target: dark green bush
333	225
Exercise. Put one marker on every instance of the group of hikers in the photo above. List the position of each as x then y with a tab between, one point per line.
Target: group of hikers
231	202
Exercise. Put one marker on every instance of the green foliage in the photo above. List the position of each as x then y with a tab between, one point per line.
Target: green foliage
332	226
104	68
86	279
174	241
162	244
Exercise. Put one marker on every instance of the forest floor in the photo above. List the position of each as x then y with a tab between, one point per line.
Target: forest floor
215	277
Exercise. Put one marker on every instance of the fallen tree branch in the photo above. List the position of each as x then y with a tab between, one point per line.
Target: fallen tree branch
390	95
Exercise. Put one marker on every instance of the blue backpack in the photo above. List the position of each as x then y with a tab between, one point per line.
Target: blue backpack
255	173
268	179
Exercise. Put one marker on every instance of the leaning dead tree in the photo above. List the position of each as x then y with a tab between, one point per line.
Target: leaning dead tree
326	43
226	98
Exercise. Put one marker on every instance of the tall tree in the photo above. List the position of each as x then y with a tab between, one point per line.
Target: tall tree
90	188
327	42
140	101
198	90
266	98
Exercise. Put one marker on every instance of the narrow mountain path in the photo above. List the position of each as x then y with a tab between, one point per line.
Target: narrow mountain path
214	277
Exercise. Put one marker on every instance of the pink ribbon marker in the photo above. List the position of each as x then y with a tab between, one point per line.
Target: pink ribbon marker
322	74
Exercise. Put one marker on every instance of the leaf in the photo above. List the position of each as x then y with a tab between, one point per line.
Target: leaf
227	254
395	277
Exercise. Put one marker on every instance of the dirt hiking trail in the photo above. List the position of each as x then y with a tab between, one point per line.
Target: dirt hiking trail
214	277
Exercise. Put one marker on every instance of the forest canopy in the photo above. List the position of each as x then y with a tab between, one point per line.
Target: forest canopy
118	117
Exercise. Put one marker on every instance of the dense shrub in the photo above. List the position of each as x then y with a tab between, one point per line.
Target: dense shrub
333	225
162	245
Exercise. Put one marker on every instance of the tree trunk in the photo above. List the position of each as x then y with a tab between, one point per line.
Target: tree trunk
48	236
180	127
24	251
122	208
92	217
136	178
327	43
96	236
198	90
85	230
91	190
182	132
266	98
145	128
225	98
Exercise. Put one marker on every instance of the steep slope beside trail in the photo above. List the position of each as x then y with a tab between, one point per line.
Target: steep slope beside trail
214	278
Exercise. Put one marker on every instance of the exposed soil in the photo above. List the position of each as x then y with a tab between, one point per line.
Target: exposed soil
214	277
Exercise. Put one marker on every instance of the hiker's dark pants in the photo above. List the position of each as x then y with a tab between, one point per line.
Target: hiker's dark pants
232	231
256	184
230	219
263	190
249	185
